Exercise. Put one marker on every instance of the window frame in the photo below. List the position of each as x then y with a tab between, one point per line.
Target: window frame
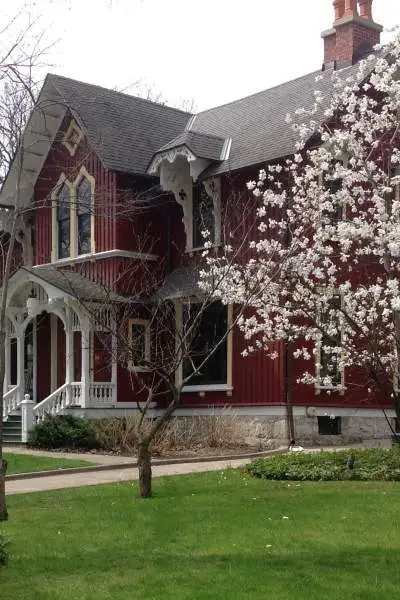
74	242
147	343
212	187
204	387
337	420
318	356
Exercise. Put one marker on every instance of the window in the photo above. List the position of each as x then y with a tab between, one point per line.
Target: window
335	213
208	330
394	195
63	205
84	215
329	425
139	343
330	374
203	216
72	137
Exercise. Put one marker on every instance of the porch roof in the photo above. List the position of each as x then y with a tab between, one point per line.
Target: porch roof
76	285
181	283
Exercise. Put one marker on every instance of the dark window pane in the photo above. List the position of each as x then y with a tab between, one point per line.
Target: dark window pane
63	222
84	210
84	228
210	330
63	238
203	216
329	425
138	349
333	186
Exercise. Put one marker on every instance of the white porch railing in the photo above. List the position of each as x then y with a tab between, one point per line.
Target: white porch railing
53	404
100	395
11	401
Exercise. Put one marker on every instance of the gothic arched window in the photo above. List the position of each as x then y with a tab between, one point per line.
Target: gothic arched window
84	216
63	222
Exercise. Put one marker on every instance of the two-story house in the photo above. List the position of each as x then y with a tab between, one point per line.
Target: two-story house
88	155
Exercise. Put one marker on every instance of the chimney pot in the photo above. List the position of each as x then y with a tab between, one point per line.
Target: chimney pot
338	5
350	8
365	9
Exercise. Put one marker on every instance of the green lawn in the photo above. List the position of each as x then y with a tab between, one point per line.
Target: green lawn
26	463
213	536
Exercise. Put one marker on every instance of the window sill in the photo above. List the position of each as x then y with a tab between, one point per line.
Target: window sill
138	369
191	251
331	388
212	387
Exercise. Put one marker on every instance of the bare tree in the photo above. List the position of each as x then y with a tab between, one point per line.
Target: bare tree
18	89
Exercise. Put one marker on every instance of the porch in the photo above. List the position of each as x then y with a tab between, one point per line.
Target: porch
53	352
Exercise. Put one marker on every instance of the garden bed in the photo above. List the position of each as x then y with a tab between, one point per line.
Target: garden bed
372	464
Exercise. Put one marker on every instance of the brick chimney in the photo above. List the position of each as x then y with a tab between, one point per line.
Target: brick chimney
353	35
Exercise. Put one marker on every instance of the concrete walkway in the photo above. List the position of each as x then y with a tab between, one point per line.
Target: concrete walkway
97	459
56	482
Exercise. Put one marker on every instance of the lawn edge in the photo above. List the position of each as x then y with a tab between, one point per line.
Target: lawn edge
155	462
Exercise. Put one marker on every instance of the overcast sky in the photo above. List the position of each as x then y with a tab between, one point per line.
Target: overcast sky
212	51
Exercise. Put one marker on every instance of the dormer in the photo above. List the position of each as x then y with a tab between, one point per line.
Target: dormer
182	166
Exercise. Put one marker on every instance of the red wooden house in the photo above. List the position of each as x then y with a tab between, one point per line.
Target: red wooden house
87	152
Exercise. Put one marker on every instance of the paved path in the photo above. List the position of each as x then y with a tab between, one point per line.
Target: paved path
55	482
98	459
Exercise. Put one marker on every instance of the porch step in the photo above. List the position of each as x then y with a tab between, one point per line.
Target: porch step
12	429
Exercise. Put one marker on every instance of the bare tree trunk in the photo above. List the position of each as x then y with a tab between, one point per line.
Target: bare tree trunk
144	466
3	505
3	463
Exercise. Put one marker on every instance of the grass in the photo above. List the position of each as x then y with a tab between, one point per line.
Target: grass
26	463
211	536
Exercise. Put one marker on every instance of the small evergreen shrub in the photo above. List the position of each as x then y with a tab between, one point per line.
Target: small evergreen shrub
372	464
63	431
4	555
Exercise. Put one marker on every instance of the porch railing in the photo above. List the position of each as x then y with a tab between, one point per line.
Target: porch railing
71	394
53	404
11	401
101	394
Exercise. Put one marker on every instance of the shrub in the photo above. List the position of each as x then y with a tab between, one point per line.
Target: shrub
118	434
373	464
63	431
4	555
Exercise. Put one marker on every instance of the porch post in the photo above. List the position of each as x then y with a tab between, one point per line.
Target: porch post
114	362
6	382
21	364
69	356
85	377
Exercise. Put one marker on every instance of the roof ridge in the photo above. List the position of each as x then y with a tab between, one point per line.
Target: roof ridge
132	96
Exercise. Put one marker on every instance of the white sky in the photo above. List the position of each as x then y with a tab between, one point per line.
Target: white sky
212	51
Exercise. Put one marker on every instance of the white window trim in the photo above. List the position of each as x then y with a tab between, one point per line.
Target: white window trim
73	126
318	387
73	232
147	342
213	189
62	180
214	387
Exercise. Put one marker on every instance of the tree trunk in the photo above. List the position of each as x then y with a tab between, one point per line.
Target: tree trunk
3	505
144	466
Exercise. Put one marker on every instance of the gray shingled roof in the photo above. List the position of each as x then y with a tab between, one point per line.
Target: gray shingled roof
124	130
182	282
257	124
127	131
202	145
74	284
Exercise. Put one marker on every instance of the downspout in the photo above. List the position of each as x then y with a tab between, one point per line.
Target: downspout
288	393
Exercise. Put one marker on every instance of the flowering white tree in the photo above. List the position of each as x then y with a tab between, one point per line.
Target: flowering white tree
324	265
